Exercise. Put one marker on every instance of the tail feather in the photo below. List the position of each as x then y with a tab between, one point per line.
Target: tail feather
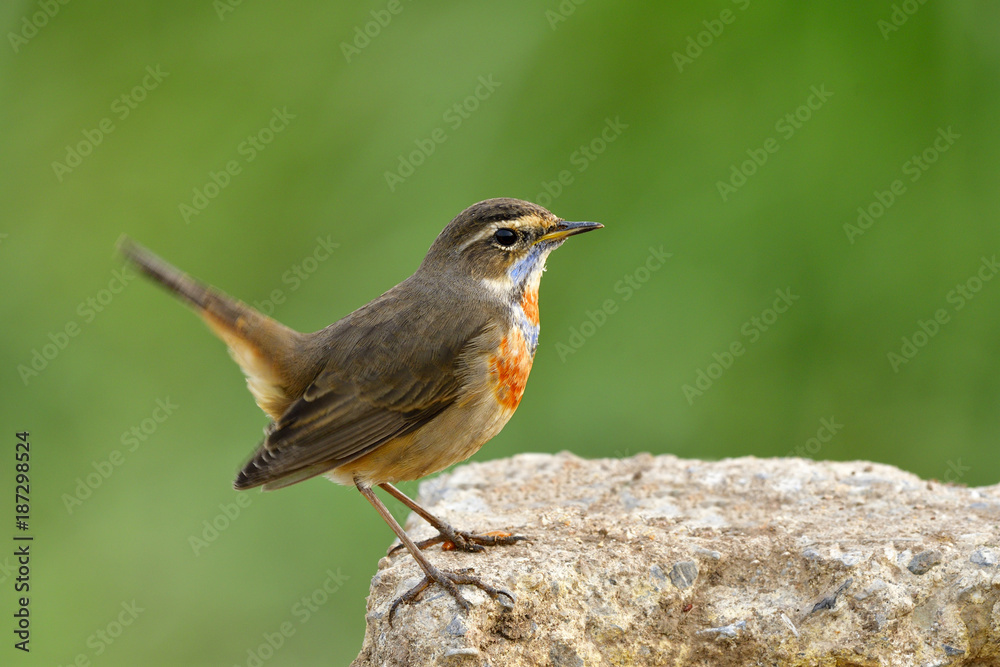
274	358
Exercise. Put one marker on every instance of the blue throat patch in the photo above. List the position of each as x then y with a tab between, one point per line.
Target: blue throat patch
519	274
524	267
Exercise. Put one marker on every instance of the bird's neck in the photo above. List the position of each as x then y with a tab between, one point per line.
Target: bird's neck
518	291
524	298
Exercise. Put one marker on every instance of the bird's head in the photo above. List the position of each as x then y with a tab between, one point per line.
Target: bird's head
502	242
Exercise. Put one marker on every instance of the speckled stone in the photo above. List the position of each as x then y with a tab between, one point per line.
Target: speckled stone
684	574
662	561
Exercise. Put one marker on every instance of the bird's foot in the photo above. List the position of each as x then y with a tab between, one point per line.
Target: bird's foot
472	542
450	581
451	539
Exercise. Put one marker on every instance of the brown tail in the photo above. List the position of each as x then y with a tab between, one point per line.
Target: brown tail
275	359
195	293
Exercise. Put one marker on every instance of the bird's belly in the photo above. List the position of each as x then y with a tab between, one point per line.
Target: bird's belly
483	409
453	436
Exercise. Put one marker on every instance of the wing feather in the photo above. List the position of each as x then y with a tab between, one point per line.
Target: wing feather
373	389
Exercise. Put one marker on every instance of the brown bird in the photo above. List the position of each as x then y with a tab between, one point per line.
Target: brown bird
418	379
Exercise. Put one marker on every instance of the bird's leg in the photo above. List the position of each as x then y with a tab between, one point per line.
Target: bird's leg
458	539
450	581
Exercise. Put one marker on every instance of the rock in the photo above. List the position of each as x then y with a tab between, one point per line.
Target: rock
683	574
923	562
662	561
986	557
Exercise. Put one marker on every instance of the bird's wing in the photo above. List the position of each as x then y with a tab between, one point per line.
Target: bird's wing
336	422
393	368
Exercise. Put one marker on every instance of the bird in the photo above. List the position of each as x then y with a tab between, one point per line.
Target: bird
411	383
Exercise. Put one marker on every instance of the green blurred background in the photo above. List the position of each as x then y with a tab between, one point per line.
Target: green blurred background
557	73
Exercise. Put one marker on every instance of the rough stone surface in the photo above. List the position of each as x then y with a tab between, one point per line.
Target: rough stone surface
663	561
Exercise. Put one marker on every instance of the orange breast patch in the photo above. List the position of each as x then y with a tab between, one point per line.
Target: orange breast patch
529	304
509	369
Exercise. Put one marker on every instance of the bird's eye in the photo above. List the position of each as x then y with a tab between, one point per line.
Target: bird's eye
505	237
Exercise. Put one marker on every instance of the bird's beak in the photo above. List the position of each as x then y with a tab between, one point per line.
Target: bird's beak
564	229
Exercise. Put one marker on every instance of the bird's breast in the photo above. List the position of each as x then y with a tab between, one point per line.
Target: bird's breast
509	367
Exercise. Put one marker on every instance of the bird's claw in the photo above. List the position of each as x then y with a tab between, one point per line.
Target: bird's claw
450	581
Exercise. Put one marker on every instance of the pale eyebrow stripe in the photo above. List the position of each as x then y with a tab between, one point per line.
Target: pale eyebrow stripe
516	223
478	237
